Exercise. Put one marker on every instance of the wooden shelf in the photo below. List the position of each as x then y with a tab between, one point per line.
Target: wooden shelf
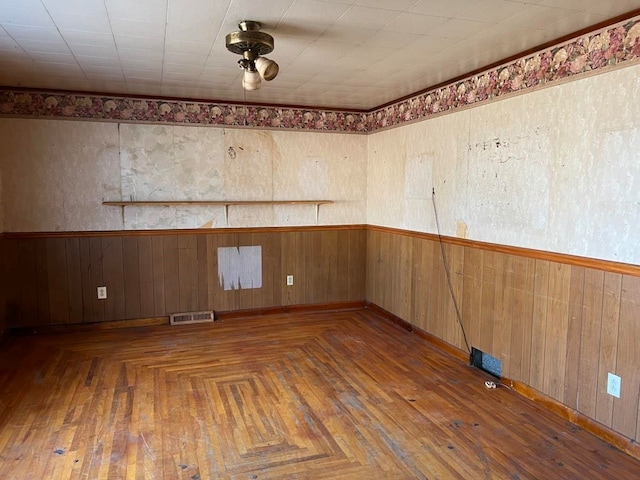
221	203
169	203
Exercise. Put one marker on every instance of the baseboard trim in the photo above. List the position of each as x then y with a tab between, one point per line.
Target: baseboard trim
302	308
88	327
441	344
608	435
155	321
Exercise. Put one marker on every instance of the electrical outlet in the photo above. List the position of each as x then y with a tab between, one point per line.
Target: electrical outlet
613	385
289	280
102	293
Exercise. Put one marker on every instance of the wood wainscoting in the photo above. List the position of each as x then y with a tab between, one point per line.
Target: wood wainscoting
51	279
559	324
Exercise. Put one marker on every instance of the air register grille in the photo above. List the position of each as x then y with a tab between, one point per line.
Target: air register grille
191	317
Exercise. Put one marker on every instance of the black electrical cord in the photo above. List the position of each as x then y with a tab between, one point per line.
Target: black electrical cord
446	270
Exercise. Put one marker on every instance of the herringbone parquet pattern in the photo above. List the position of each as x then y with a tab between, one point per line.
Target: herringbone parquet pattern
340	395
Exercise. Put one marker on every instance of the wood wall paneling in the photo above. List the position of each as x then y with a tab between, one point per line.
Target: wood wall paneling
574	335
25	268
145	276
472	297
42	280
56	277
74	279
608	344
556	330
625	408
131	278
558	327
58	287
503	308
96	270
157	256
590	342
113	268
539	324
521	318
188	273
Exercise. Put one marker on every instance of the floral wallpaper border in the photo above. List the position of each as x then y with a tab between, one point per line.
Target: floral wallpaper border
597	50
603	48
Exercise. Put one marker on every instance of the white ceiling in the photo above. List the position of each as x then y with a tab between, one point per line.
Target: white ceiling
355	54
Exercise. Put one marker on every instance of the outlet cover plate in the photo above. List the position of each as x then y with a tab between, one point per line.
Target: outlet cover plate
613	385
289	280
102	293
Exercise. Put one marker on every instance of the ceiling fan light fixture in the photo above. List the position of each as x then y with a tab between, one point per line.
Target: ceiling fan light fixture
251	80
250	42
267	68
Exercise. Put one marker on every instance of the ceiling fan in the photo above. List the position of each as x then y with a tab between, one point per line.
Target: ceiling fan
251	43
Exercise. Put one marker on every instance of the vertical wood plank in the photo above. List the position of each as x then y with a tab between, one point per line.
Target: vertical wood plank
523	285
157	255
358	262
625	408
145	272
420	285
436	321
42	282
131	277
487	310
383	271
114	304
57	281
453	329
315	290
74	279
608	344
171	274
590	342
90	305
402	260
539	324
15	283
341	288
188	272
213	294
24	270
332	282
303	264
373	253
504	314
472	298
203	278
574	333
556	331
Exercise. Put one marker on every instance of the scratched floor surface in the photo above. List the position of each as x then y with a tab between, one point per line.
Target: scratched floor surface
334	395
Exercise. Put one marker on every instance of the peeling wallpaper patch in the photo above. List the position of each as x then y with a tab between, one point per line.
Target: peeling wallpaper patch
599	50
240	267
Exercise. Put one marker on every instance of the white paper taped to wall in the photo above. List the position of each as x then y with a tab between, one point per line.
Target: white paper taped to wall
240	267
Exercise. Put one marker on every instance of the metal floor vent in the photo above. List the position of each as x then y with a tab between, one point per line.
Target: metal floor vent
486	362
191	317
